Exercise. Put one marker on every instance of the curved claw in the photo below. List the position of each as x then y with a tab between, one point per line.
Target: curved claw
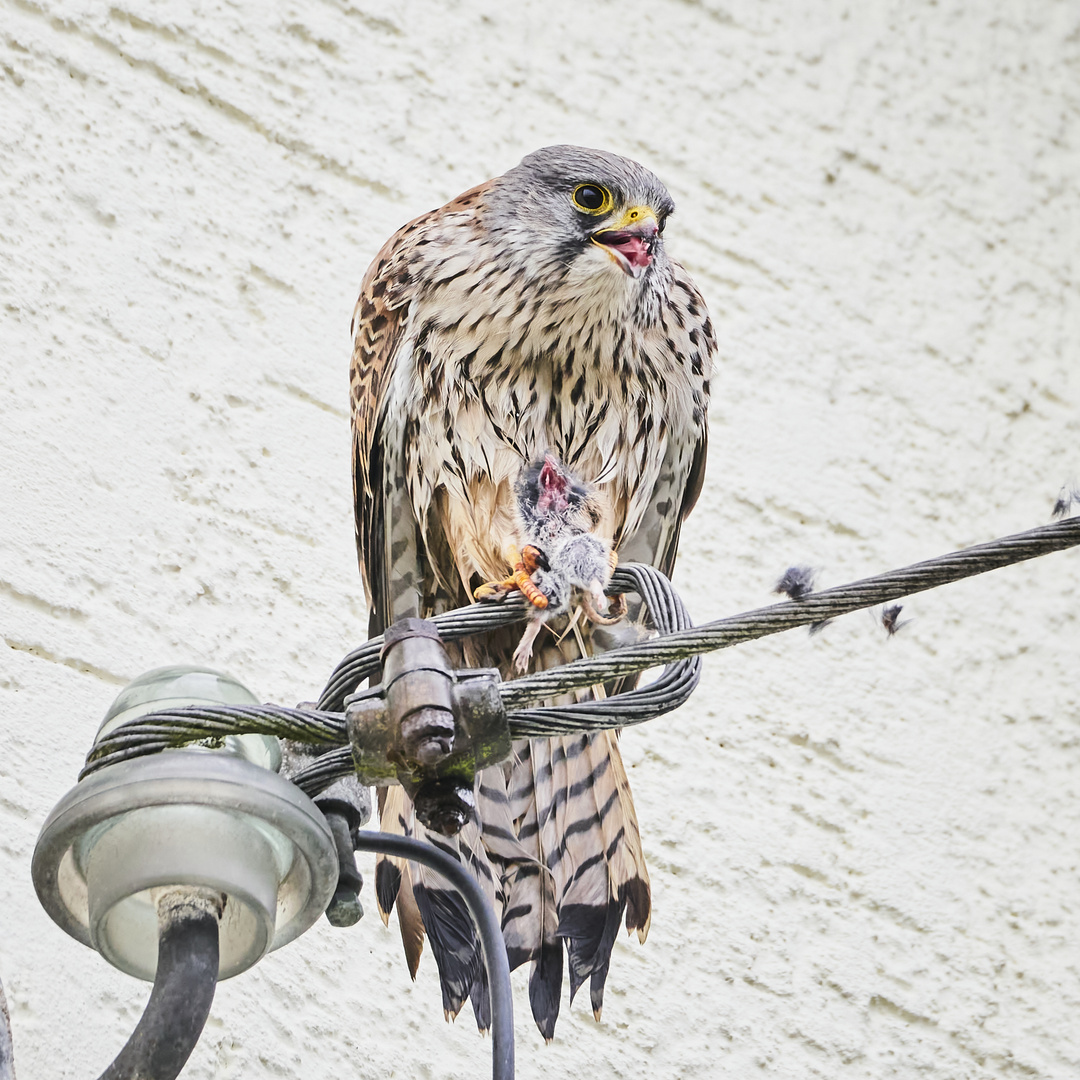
524	563
494	590
532	558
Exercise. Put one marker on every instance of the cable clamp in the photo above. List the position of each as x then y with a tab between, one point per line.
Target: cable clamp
427	726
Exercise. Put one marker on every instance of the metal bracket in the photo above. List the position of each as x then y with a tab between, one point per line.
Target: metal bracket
427	726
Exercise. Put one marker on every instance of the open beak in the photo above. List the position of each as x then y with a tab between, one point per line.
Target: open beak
630	241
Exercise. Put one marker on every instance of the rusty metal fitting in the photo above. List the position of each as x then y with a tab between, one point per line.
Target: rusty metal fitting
428	727
344	908
444	804
418	686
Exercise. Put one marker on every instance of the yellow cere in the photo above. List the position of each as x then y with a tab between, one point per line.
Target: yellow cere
636	215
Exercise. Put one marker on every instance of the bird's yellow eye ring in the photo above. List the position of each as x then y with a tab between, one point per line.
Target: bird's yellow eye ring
592	198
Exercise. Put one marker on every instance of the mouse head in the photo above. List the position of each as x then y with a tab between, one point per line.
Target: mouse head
549	494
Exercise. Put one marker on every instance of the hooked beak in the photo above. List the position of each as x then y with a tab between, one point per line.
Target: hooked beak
631	240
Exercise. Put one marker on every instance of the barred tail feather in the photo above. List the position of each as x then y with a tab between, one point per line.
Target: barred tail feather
480	997
387	887
529	920
556	847
392	819
453	940
590	932
410	923
570	802
450	929
600	851
393	879
624	846
545	984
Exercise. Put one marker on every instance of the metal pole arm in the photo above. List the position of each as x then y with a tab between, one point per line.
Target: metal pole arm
187	971
496	963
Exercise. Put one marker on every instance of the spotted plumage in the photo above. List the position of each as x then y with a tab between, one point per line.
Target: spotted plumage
538	312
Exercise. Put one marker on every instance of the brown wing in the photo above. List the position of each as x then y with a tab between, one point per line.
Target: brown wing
390	561
656	539
378	329
703	343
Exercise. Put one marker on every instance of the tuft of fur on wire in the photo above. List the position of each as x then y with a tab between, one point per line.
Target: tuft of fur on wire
797	582
1068	497
890	619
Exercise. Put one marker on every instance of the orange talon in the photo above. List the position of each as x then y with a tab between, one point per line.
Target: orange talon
525	584
532	559
524	563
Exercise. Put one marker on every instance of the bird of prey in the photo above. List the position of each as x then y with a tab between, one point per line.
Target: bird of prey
536	313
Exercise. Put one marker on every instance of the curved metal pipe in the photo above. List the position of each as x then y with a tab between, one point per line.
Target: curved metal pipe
491	939
187	971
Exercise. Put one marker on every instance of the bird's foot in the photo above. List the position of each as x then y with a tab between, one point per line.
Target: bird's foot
530	560
525	563
494	590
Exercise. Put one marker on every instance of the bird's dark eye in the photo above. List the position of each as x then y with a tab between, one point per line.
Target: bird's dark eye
592	198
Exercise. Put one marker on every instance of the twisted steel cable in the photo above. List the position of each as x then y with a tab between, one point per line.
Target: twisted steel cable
167	728
363	661
814	607
327	769
176	727
674	686
668	692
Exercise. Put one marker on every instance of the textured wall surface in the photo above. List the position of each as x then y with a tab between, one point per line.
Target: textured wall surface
863	850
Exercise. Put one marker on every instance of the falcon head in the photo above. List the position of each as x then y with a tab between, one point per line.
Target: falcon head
587	211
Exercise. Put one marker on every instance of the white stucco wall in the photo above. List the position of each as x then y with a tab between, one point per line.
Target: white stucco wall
864	852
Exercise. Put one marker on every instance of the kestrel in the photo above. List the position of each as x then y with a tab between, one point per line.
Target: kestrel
536	313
